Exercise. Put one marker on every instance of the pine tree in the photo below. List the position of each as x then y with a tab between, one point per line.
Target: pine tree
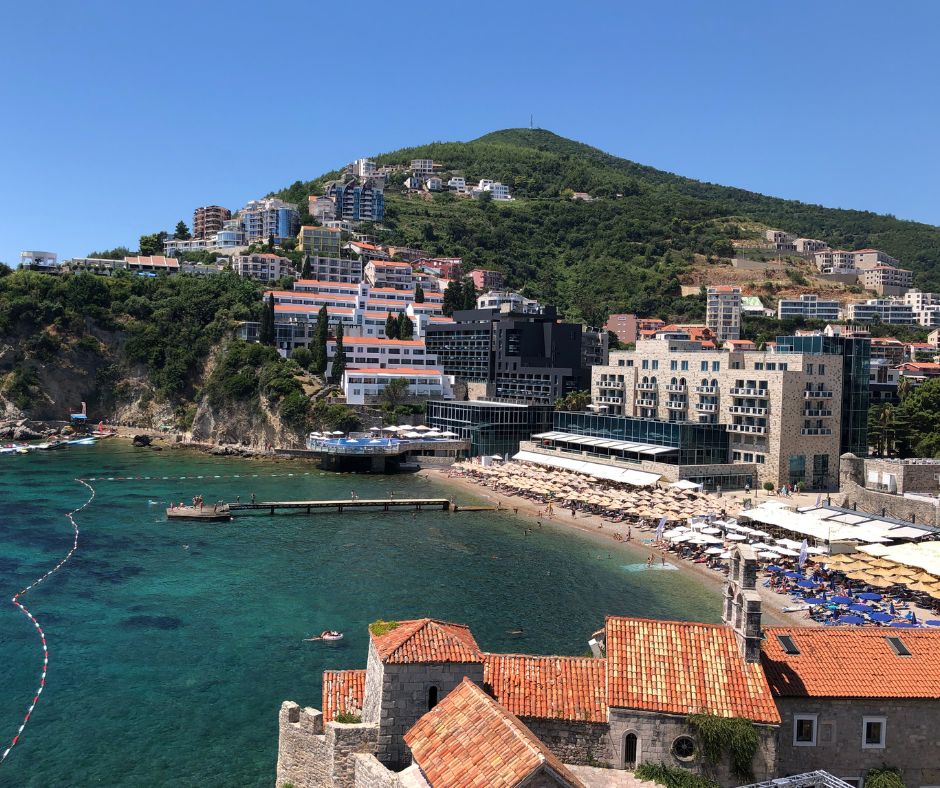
321	335
419	294
391	326
468	295
339	360
266	331
406	328
182	231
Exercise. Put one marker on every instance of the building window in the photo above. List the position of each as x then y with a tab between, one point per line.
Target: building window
873	733
716	366
655	364
704	366
673	365
630	750
804	730
685	366
432	697
684	748
646	363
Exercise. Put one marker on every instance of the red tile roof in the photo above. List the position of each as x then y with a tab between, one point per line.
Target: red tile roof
853	662
427	640
343	691
469	741
566	688
683	668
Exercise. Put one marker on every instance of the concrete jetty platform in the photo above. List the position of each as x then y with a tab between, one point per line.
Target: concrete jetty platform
224	512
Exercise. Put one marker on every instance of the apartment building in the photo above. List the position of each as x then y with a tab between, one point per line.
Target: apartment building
381	353
35	260
835	261
363	385
624	326
422	166
781	241
457	183
723	312
320	241
782	409
263	267
508	301
881	310
809	306
270	218
208	220
362	168
388	273
872	258
357	199
335	269
886	280
433	184
484	279
808	246
231	235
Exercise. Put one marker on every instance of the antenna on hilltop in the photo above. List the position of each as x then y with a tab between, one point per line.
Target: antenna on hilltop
530	121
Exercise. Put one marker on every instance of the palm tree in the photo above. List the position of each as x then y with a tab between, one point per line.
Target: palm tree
888	424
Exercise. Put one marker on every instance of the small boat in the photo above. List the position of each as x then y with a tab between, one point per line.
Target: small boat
87	441
327	634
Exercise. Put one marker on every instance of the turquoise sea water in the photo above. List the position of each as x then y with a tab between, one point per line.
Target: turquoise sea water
172	645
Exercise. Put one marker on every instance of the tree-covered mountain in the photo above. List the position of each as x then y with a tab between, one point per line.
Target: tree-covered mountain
625	249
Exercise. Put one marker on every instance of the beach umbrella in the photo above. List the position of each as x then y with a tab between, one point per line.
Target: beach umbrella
881	618
773	568
902	625
736	538
868	596
806	584
725	555
375	429
337	432
932	623
793	575
767	554
920	587
851	620
859	608
842	600
714	551
815	600
449	434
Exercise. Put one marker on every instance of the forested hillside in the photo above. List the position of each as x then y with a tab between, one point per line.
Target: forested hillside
626	249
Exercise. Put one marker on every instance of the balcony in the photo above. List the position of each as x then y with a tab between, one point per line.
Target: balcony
817	394
609	400
706	389
743	410
746	392
749	428
678	388
817	414
707	407
816	431
646	386
676	404
642	402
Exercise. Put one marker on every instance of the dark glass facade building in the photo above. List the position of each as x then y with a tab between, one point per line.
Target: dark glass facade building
693	443
489	427
856	361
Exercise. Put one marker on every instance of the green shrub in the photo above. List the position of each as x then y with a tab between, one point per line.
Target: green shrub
348	718
380	627
672	777
885	777
734	737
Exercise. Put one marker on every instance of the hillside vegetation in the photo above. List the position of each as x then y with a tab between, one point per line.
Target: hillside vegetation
617	253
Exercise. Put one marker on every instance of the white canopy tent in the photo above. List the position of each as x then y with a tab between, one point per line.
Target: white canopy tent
595	469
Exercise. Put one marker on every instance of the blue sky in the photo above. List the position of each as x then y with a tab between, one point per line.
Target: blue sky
117	119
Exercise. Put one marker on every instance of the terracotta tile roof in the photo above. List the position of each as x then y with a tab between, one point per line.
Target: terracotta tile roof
566	688
343	691
469	740
853	662
427	640
681	668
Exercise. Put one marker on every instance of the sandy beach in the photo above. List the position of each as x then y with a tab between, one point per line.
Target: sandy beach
639	548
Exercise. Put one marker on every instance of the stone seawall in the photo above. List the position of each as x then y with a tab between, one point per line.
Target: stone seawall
854	496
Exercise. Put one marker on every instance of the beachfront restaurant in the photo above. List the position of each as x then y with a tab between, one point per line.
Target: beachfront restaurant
698	453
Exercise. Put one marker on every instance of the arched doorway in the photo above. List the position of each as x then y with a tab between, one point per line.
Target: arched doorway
631	750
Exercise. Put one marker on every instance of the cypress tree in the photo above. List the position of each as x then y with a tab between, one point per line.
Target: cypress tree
453	297
305	272
339	360
468	295
406	328
320	336
266	333
419	294
391	326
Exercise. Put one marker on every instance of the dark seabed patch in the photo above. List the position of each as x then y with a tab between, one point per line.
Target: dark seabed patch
153	622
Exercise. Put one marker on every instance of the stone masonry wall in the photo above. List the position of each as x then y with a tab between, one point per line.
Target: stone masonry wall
655	736
852	495
912	738
580	743
405	699
311	755
372	700
369	773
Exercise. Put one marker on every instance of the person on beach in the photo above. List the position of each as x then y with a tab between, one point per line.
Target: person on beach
252	497
515	510
238	499
664	559
629	533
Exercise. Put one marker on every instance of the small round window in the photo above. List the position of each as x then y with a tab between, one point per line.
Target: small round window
684	748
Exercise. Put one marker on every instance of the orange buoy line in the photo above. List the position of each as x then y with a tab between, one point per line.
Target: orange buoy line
32	618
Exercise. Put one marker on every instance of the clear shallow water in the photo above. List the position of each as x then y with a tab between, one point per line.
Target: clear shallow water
168	664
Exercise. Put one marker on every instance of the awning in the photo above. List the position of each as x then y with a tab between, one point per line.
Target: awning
595	469
605	443
685	484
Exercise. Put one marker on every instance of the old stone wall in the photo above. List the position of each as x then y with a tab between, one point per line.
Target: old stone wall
369	773
405	692
912	738
311	755
582	743
854	496
372	700
913	477
657	733
302	760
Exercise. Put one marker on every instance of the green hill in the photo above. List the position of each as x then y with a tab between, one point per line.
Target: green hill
627	248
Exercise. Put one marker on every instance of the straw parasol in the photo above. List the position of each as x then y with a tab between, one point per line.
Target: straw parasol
921	587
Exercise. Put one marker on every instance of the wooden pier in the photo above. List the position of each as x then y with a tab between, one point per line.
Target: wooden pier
225	511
